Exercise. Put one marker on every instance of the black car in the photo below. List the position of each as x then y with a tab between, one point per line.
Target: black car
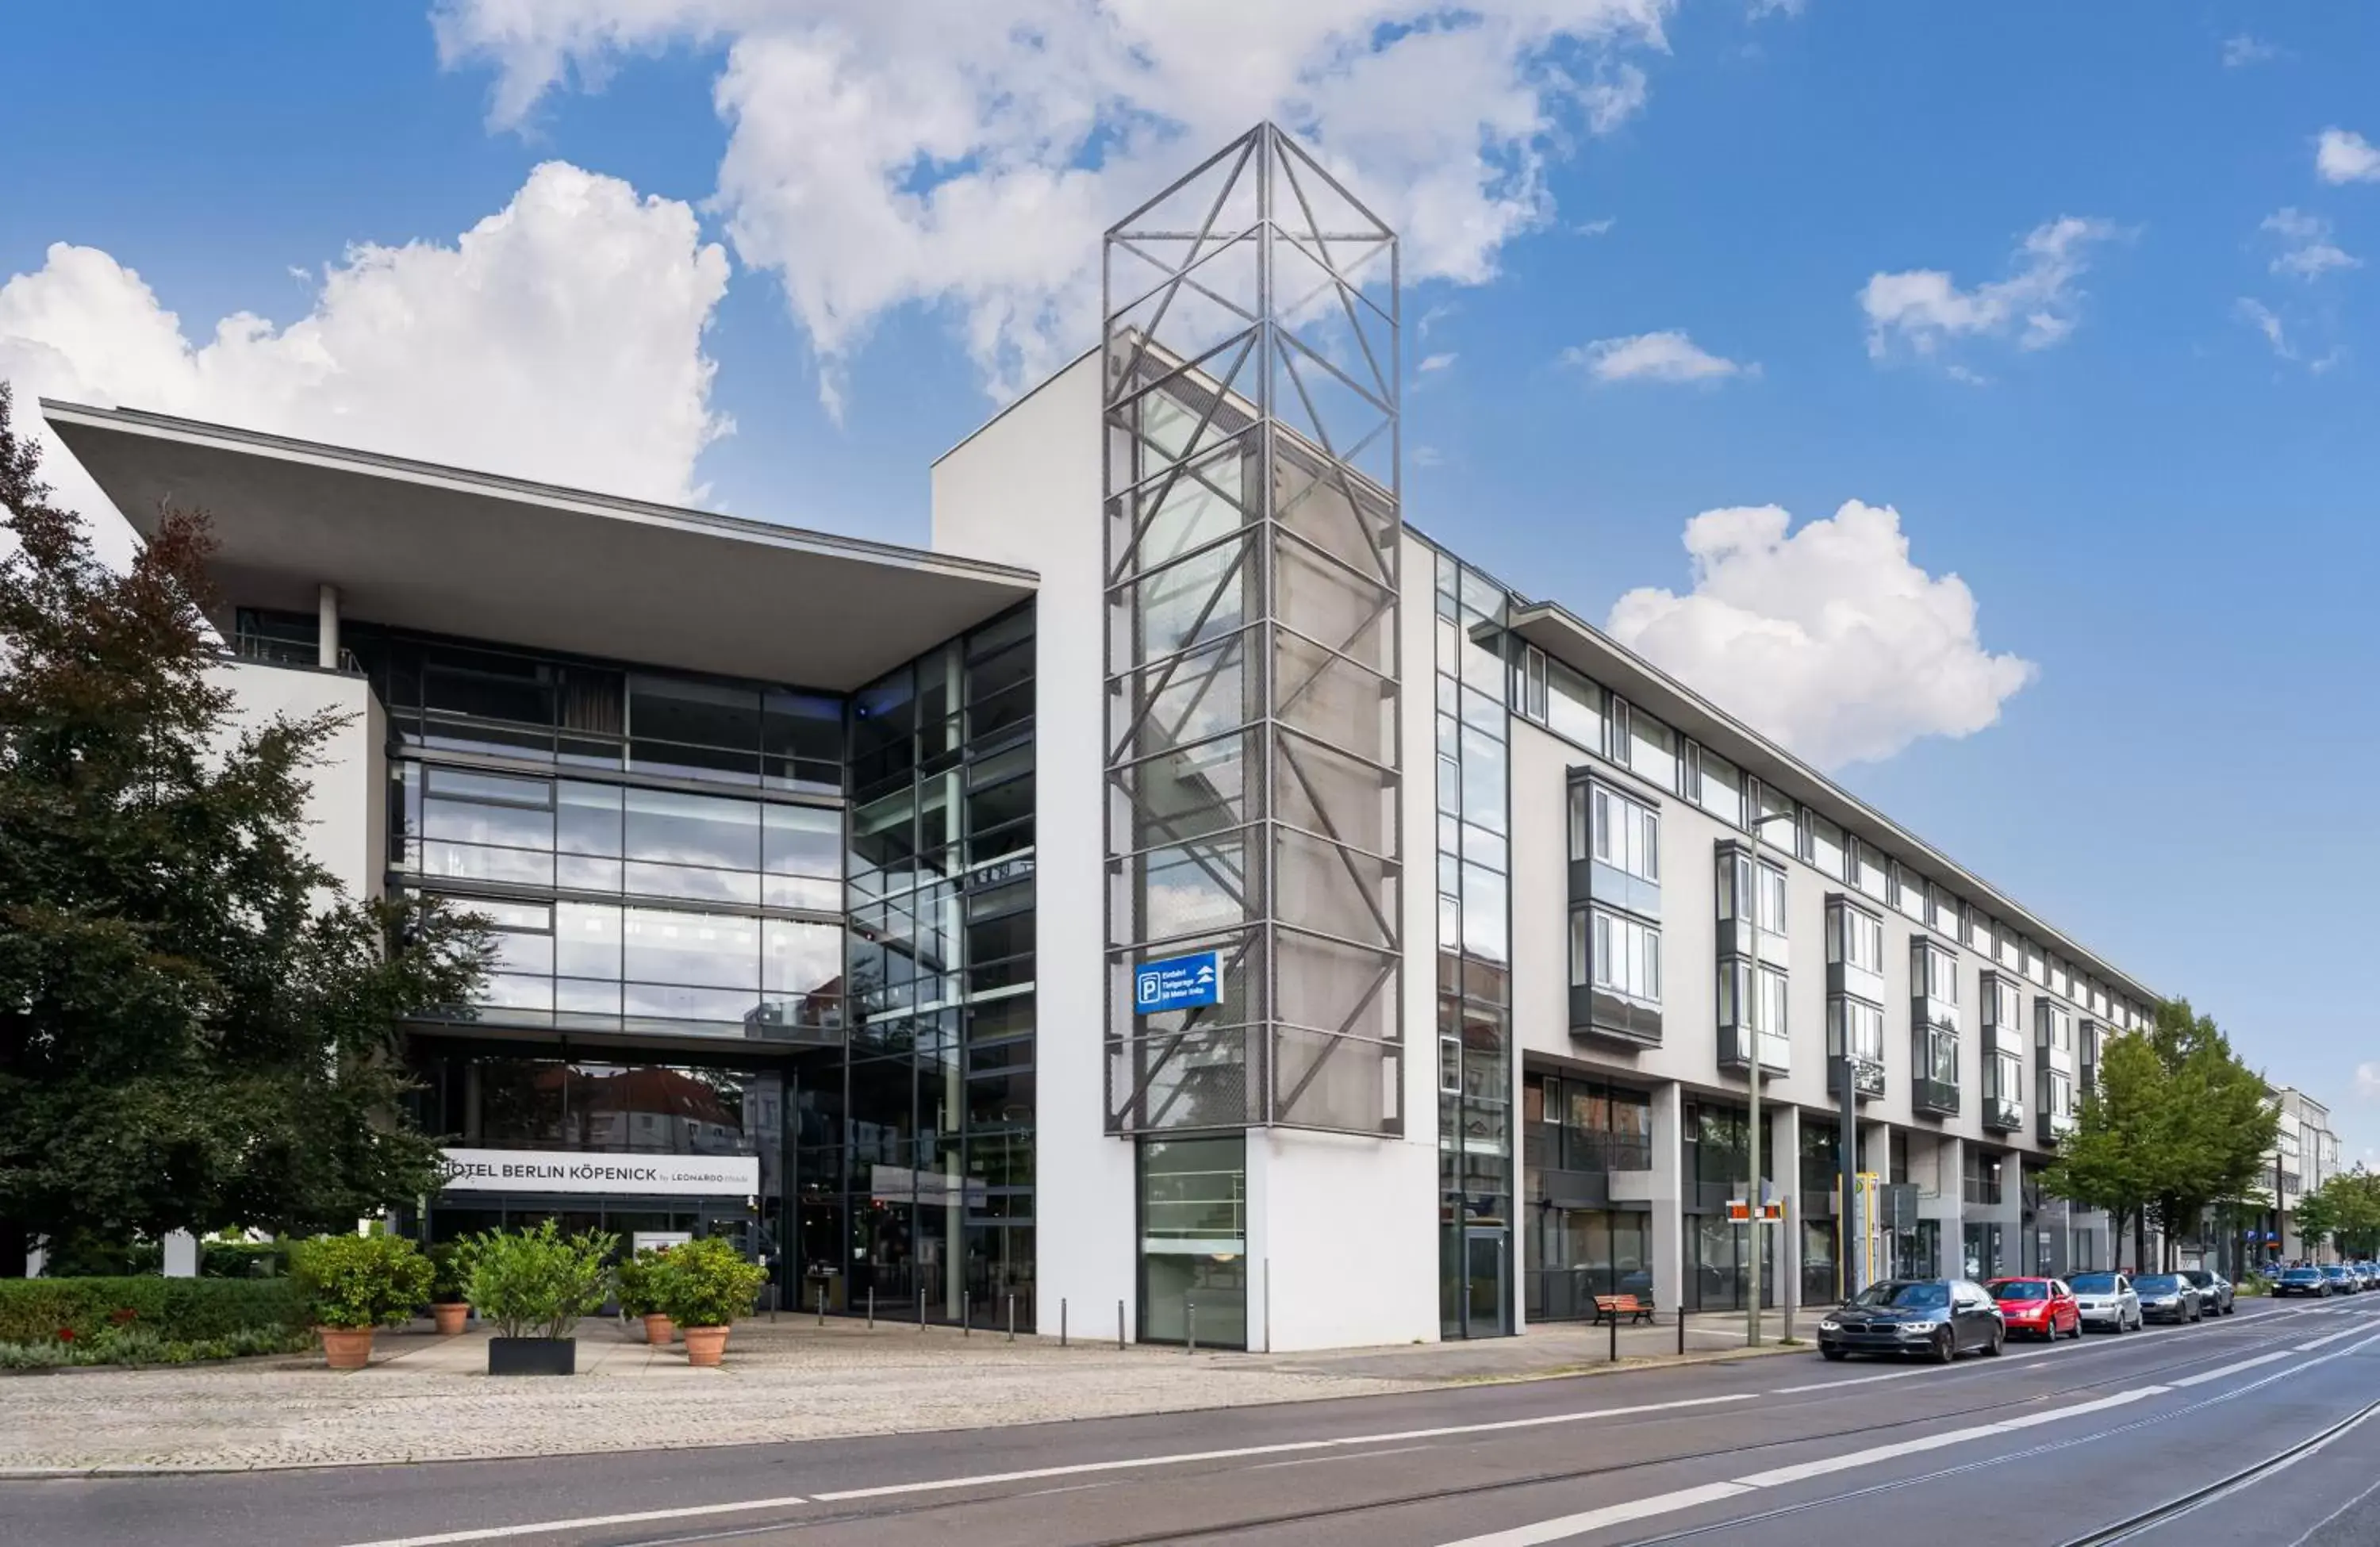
1940	1318
2167	1297
2341	1278
2214	1292
2301	1281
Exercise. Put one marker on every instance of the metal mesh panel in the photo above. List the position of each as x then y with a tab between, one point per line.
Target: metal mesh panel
1251	532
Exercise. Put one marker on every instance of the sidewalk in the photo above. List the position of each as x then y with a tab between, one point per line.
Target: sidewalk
428	1398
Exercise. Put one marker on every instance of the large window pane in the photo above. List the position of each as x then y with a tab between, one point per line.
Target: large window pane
802	958
668	828
706	950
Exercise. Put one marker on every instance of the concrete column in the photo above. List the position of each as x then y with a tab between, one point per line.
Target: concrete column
1669	1186
181	1254
1941	1185
327	602
1784	1140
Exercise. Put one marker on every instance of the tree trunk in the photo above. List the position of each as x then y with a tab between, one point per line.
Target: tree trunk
2140	1239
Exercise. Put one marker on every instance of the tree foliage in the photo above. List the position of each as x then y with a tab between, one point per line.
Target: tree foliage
2346	1208
196	1024
2176	1122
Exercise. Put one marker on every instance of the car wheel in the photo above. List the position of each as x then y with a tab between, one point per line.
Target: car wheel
1834	1355
1999	1340
2231	1310
1945	1347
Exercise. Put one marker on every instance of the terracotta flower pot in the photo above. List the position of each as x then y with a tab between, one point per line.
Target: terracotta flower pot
346	1348
704	1345
450	1317
657	1330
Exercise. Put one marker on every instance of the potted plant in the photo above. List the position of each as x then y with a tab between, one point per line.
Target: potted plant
450	1301
639	1281
704	1285
534	1285
354	1283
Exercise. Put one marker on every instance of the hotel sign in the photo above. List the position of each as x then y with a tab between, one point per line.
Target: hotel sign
583	1171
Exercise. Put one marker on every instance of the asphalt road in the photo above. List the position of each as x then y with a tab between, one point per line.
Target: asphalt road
2250	1430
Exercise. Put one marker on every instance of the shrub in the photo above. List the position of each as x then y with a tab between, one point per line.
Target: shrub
537	1283
178	1310
448	1272
639	1281
243	1258
707	1282
360	1280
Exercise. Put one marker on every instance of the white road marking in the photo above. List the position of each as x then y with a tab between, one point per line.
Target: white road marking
1286	1447
1609	1514
2334	1337
586	1522
1311	1460
1779	1476
2233	1368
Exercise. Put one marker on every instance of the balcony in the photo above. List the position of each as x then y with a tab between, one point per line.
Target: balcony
271	650
2003	1114
1934	1098
1597	1012
2051	1127
1867	1077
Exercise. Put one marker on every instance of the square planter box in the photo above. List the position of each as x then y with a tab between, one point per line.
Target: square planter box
532	1356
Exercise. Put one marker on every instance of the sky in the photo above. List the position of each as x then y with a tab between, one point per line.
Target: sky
1977	398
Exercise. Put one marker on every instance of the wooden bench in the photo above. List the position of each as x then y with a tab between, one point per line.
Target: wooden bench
1612	1308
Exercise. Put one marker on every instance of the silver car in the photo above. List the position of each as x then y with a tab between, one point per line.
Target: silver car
2107	1301
2214	1291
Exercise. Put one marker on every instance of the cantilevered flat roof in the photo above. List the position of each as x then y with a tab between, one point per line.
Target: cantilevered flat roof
415	545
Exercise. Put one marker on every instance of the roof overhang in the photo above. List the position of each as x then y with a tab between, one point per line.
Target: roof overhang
415	545
1586	649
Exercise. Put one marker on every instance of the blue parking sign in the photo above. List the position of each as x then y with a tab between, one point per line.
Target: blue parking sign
1176	983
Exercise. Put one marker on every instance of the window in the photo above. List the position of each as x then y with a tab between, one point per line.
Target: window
1769	1013
1625	833
1939	1050
1722	788
1869	873
1617	739
2001	1012
2033	968
1652	750
1908	894
1979	933
1533	684
1942	912
2055	1025
1934	972
1575	707
2004	1078
1857	939
1854	1027
1626	958
1827	846
2010	949
2060	983
1736	880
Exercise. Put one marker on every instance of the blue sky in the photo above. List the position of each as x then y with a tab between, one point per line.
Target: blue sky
2150	454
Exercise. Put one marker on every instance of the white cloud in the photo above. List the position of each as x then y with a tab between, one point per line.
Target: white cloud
2307	250
884	153
559	338
1828	639
2343	156
1596	228
1759	8
1669	355
2367	1081
2264	320
1435	363
2241	51
2038	303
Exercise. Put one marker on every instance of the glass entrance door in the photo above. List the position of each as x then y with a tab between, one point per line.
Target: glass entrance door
1485	1269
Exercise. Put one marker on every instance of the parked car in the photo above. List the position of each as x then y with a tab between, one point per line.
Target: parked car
2343	1279
2037	1307
1940	1318
2216	1295
2107	1300
2167	1297
2370	1274
2307	1282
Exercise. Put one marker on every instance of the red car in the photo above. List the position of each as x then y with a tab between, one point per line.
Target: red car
2041	1306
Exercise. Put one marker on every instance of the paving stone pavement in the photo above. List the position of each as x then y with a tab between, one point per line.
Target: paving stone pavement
426	1398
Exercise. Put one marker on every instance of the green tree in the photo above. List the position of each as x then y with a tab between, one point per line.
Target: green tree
2177	1122
2215	1122
196	1025
2346	1208
2109	1161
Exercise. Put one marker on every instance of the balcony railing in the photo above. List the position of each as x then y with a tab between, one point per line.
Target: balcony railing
1938	1097
1553	1148
1982	1189
2003	1114
1867	1077
268	649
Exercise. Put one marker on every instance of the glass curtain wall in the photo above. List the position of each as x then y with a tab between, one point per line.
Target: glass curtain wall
1473	953
916	1170
1717	1151
1575	1133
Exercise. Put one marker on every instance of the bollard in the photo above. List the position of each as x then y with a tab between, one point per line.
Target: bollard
871	1307
1614	1320
1062	1320
1012	1317
921	1308
1189	1326
966	1317
1681	1331
822	1322
1118	1326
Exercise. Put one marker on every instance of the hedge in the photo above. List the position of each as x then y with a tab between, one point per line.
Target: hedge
178	1310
